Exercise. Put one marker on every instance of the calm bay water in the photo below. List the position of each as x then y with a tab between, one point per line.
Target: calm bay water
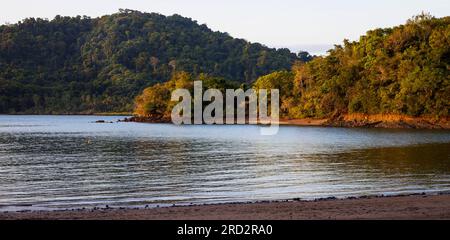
51	162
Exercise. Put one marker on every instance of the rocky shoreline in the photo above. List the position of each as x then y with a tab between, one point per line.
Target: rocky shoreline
413	206
389	121
349	120
145	120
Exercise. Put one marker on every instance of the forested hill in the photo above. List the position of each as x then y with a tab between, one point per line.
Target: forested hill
82	64
400	70
404	70
396	72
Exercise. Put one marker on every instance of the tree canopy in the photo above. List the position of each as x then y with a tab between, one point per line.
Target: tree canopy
81	64
401	70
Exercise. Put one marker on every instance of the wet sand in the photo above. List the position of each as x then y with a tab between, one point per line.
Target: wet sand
398	207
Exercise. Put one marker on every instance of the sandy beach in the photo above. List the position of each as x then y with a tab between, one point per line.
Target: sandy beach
397	207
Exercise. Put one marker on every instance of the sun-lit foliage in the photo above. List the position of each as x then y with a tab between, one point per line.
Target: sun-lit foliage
154	102
400	70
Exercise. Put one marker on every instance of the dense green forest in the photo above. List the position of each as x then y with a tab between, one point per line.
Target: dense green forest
85	65
402	70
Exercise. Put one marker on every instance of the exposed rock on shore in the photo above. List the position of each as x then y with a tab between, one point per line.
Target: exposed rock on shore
145	120
388	121
348	120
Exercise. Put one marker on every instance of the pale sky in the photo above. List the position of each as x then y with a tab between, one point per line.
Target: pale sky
313	25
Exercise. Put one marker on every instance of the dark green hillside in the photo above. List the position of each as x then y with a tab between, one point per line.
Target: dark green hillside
79	64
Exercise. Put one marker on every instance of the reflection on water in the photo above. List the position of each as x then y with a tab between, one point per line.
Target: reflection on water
69	162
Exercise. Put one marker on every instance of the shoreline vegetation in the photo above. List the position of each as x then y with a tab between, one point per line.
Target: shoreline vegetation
412	206
392	78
